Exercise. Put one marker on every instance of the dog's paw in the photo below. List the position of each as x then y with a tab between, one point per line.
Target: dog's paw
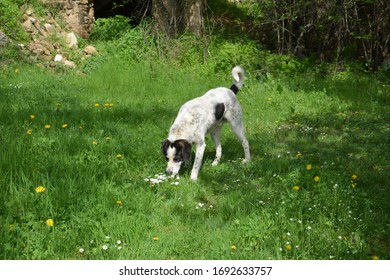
215	162
244	161
194	179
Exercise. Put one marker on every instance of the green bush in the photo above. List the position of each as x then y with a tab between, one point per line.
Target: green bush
130	46
225	54
107	29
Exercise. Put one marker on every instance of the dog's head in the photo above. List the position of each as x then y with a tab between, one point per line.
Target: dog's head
176	153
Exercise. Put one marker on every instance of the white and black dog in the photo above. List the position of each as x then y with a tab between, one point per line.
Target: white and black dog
199	116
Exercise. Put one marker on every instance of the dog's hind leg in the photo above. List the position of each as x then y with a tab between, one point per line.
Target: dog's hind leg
216	135
238	128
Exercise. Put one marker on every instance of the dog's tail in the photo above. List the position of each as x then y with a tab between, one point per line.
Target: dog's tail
239	76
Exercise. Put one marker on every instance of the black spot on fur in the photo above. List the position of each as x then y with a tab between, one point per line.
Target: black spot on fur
164	147
184	148
219	111
234	89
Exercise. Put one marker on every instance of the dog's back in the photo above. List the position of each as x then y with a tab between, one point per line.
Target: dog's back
210	108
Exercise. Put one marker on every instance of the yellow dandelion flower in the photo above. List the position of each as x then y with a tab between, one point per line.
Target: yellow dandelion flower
32	117
316	179
10	227
64	125
354	186
308	167
107	104
97	105
155	238
94	142
17	70
108	138
119	156
375	257
29	131
47	126
233	247
49	222
40	189
298	155
296	188
354	177
119	202
288	247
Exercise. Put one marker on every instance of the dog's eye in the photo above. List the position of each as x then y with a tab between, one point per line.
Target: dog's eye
178	158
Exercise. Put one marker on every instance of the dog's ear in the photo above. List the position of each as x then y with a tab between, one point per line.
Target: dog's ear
186	150
164	147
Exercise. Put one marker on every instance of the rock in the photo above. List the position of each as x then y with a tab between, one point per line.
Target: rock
71	40
90	50
46	44
48	27
50	42
39	50
3	39
29	11
69	63
58	58
43	32
78	14
28	24
64	61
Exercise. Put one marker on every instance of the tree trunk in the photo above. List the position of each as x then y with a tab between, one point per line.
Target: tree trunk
195	9
176	16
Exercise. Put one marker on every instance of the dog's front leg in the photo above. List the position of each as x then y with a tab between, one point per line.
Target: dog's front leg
198	161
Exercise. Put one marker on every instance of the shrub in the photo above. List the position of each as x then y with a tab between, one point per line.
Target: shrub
107	29
226	54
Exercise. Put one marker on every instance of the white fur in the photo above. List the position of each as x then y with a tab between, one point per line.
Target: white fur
239	76
196	118
173	167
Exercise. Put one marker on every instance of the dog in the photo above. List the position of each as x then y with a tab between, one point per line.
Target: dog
202	115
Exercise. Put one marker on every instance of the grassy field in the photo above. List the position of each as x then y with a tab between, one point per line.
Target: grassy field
80	156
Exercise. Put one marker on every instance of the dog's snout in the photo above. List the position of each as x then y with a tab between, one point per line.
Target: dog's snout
169	171
173	169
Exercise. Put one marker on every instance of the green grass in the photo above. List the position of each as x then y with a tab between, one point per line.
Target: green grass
94	169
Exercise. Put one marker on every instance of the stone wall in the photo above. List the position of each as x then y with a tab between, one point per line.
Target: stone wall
78	14
50	43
